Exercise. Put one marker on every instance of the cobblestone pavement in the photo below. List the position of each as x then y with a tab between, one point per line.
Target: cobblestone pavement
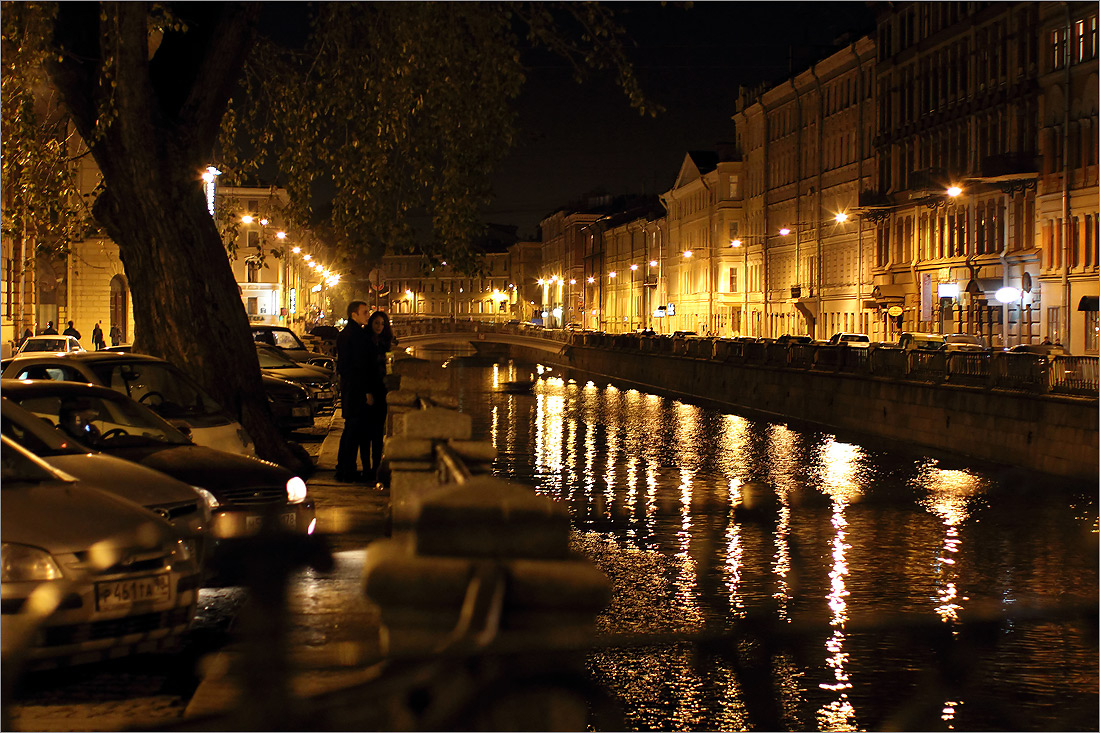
154	690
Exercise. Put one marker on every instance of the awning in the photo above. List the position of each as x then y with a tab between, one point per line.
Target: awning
888	293
1089	303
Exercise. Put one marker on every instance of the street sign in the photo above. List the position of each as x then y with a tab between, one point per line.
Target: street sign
895	311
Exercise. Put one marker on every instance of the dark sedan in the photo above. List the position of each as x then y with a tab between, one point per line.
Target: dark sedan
320	382
248	490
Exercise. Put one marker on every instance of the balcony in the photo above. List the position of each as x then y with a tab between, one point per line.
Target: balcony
1009	165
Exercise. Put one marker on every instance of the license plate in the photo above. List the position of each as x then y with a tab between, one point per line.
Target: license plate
125	593
324	395
288	520
300	411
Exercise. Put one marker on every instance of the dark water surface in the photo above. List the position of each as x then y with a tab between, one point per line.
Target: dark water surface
882	555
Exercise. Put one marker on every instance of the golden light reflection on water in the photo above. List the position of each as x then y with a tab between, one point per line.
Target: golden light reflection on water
734	552
687	579
781	564
949	496
631	493
838	714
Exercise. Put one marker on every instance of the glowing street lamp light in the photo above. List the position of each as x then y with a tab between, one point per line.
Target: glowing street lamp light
735	243
296	250
688	253
841	217
633	267
246	219
263	222
612	274
653	263
784	232
280	235
591	280
954	191
307	258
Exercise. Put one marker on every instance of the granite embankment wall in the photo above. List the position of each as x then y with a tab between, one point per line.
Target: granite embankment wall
1048	433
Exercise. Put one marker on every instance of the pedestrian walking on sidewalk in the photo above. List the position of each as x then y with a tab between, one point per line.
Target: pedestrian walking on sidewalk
379	342
353	367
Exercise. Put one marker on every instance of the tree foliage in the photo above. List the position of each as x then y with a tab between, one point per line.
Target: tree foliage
396	112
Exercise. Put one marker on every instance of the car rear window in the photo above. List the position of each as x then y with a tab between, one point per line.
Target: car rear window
160	386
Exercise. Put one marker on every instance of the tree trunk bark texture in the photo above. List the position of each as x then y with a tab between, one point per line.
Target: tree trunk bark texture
151	134
187	305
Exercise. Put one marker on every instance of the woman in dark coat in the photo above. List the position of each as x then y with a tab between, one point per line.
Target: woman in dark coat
379	342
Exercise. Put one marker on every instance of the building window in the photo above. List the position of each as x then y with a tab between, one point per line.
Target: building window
1092	332
1058	48
252	268
733	280
1052	324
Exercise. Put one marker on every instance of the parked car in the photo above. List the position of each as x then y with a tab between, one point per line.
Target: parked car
963	342
1041	349
320	382
156	383
792	339
247	489
860	340
683	334
123	581
187	508
290	403
282	338
911	341
48	344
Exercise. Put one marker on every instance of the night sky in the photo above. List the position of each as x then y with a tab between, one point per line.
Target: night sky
576	139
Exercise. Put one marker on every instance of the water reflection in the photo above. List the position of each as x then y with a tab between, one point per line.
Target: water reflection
854	532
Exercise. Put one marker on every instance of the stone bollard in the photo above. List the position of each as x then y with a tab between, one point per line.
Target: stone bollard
497	534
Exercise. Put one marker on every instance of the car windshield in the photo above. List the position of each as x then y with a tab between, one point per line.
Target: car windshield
278	337
35	434
58	344
102	422
160	386
270	359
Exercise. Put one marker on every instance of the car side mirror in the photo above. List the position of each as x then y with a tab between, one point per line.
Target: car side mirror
181	426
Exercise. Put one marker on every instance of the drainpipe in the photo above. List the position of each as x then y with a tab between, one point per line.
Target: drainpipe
798	183
1010	210
710	255
1066	229
764	291
861	156
818	220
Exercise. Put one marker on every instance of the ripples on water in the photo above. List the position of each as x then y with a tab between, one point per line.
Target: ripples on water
852	535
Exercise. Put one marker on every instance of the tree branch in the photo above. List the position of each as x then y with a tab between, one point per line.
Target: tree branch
200	69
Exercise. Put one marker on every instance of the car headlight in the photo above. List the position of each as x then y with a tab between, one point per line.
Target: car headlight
23	563
295	490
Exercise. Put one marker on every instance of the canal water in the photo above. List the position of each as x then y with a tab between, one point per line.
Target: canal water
867	566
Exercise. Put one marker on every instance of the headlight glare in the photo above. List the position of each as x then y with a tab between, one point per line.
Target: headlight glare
209	499
25	563
296	490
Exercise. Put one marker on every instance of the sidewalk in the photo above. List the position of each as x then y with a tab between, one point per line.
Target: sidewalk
331	625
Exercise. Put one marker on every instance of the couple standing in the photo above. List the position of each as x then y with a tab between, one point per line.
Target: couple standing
361	350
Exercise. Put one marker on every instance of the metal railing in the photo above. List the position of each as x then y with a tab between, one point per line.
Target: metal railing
1031	373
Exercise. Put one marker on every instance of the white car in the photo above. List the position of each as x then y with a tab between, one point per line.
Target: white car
86	574
49	344
155	383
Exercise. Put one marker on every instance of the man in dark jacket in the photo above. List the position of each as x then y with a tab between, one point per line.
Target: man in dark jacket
71	331
352	365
